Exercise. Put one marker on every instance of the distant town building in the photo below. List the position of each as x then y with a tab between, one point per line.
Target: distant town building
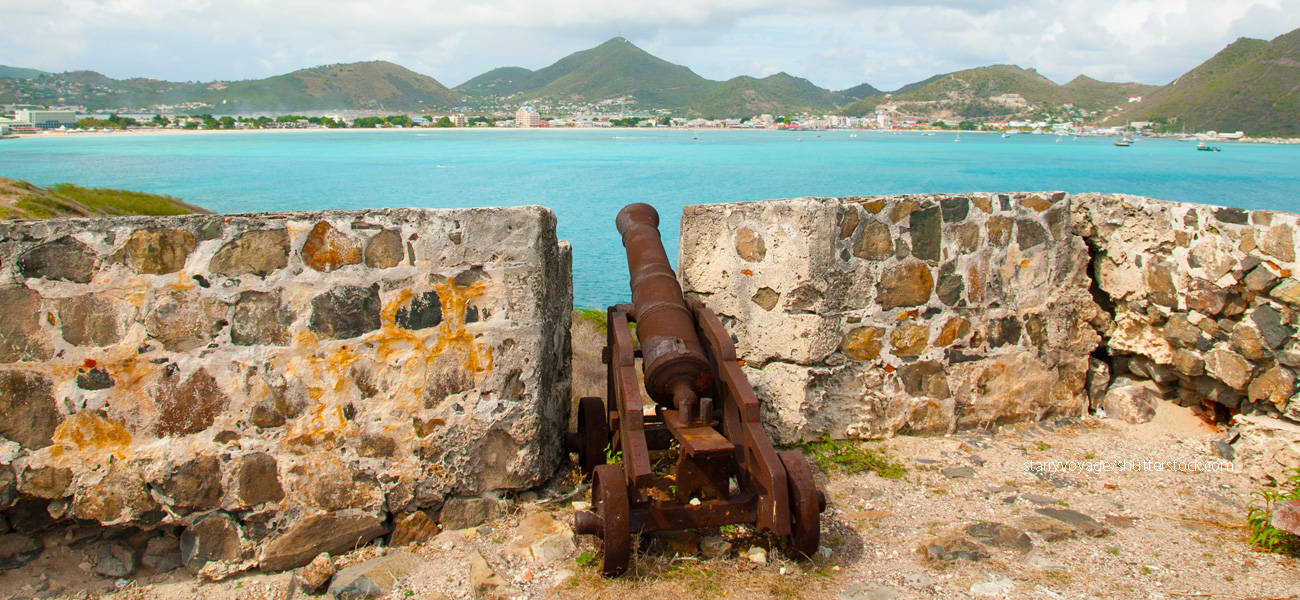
527	116
46	119
459	120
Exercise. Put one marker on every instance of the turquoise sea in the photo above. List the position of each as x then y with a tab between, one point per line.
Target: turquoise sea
585	176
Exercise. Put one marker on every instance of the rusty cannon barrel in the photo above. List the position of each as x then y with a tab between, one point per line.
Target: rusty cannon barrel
673	361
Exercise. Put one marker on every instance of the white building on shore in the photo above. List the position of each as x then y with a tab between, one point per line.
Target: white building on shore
527	116
46	119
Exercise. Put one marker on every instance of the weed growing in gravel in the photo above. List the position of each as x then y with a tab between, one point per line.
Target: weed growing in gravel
595	316
852	456
1263	536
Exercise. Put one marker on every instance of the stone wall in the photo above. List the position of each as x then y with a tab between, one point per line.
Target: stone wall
280	384
866	316
862	317
1205	301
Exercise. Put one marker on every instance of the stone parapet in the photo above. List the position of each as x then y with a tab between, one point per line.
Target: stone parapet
1205	300
866	316
281	382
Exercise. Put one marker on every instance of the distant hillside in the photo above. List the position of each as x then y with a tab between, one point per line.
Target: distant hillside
371	85
501	81
619	69
23	200
859	92
1251	86
1086	92
776	94
19	72
366	85
996	91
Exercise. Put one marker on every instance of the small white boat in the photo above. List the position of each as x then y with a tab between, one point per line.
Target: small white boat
1124	142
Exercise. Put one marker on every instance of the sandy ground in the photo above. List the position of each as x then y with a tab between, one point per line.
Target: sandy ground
1157	533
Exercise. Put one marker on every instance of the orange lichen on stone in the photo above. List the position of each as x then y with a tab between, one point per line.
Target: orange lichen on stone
327	249
86	436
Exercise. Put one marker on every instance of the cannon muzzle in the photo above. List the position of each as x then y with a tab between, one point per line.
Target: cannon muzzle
673	361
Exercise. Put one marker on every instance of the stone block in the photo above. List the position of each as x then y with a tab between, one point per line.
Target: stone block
299	385
257	252
27	406
156	251
66	259
21	338
1131	401
1266	448
334	533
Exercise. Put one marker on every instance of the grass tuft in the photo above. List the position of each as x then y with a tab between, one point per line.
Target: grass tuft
852	456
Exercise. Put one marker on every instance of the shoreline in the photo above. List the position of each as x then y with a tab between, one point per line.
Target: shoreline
173	132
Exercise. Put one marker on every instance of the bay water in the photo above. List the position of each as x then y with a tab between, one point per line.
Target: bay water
586	176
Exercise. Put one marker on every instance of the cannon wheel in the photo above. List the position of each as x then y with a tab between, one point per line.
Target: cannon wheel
609	497
593	434
805	503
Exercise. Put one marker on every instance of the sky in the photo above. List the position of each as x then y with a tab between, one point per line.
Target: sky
834	43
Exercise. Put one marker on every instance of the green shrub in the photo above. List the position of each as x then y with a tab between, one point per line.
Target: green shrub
1263	536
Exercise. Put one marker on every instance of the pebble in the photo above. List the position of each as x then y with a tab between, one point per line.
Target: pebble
997	587
756	555
868	591
959	473
714	546
1040	500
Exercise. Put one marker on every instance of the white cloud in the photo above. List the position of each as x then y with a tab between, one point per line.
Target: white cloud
834	43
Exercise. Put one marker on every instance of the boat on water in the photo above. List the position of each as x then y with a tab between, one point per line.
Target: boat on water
1204	147
958	138
1126	141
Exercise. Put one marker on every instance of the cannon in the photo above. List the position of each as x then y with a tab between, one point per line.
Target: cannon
704	411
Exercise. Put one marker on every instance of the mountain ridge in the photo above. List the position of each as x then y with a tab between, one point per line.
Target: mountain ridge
1251	85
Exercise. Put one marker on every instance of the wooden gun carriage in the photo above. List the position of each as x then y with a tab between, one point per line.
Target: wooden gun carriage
727	471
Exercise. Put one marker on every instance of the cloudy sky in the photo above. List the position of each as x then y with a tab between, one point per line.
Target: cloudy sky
834	43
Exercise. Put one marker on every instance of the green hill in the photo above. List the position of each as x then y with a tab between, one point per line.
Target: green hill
619	69
1086	92
776	94
19	72
23	200
365	85
501	81
615	69
859	92
997	91
1251	86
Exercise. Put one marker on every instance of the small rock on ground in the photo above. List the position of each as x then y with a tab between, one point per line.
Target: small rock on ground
316	575
374	578
115	560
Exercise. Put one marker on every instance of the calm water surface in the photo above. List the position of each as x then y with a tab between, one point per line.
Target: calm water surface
585	176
